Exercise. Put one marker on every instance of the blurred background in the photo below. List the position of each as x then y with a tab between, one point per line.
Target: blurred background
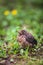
20	14
27	13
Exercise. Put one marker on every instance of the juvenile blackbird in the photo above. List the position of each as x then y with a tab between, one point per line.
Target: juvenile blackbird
26	39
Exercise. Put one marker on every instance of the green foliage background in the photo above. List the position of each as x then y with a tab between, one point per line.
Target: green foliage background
30	15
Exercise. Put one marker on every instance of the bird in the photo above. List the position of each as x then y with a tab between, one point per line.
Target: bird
26	39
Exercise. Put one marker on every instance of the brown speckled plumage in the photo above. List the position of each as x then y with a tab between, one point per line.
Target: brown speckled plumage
26	39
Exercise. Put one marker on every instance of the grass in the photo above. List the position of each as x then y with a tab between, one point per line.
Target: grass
9	27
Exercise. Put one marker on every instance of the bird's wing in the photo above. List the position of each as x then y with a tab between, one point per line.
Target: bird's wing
31	39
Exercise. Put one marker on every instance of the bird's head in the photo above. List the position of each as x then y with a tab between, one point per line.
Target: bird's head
22	32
